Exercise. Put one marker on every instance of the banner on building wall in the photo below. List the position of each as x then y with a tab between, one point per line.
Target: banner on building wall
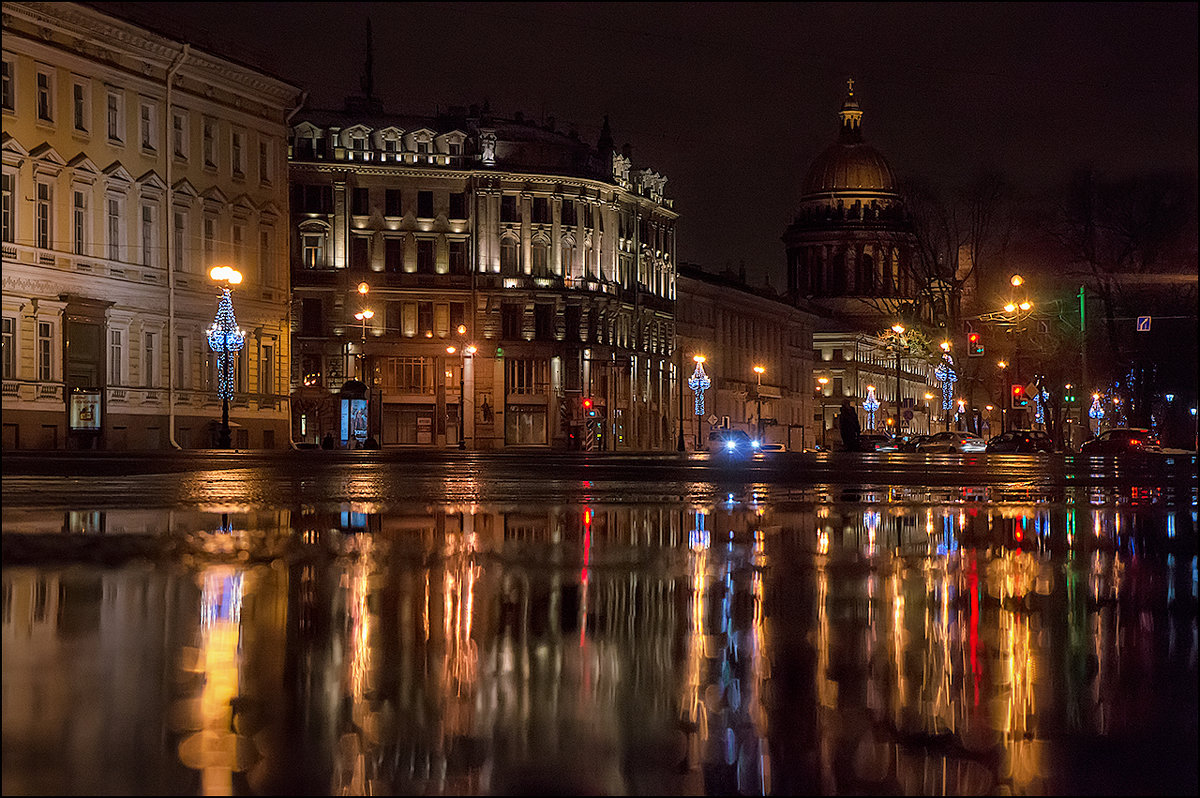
85	411
354	420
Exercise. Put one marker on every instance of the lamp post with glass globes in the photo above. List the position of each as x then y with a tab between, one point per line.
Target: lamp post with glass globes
821	383
1002	365
463	350
224	339
699	383
758	372
899	330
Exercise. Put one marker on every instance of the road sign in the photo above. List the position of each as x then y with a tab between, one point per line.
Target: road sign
712	419
1143	324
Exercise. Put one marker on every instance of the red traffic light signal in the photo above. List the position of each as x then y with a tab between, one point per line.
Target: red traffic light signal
974	345
1019	399
589	408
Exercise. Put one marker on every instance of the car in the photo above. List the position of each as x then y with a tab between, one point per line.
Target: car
772	447
953	441
730	441
876	442
910	443
1122	440
1027	441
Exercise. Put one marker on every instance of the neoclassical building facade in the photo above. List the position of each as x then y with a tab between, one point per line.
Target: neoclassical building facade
133	163
475	280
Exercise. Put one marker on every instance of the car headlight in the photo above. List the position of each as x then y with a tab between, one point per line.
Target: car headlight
730	445
755	444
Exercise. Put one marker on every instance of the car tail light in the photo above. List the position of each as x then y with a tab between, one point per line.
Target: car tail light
1134	442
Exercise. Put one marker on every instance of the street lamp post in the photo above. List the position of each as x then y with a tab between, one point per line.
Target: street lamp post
225	338
899	330
699	383
466	349
679	379
822	382
363	316
758	372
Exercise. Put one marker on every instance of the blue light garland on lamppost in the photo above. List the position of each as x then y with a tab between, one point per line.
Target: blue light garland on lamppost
870	404
1096	411
1039	406
225	338
699	383
947	376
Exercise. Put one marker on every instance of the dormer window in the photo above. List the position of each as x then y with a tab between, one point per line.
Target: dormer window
422	146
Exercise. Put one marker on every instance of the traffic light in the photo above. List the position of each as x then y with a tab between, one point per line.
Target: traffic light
1019	399
974	345
589	408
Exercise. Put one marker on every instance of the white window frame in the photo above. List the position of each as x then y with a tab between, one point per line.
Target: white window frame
208	129
9	353
148	125
116	356
114	226
179	134
44	94
79	219
209	229
237	152
148	233
179	227
266	268
43	231
8	91
81	104
265	158
149	359
8	206
45	350
114	115
183	363
266	369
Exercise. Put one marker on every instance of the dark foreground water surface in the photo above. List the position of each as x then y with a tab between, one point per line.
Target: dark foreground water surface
870	641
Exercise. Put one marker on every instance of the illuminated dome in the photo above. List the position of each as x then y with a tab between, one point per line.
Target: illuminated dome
849	167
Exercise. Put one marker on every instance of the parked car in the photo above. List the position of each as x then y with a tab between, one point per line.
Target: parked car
730	441
768	448
876	442
1122	440
952	442
910	443
1027	441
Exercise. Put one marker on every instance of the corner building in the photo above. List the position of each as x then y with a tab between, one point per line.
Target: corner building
133	163
476	279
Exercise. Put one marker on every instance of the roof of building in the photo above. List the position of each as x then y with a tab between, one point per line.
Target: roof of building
849	164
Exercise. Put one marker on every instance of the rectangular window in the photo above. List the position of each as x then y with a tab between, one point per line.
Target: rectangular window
6	89
458	205
43	232
79	221
539	257
311	317
148	130
210	243
408	320
526	375
45	95
568	213
115	357
10	347
393	254
179	135
360	201
425	319
80	104
266	372
114	228
441	319
179	232
407	374
210	143
541	210
359	252
115	116
149	361
425	256
264	162
148	246
509	263
458	315
239	244
8	190
587	215
425	204
313	250
512	321
458	257
238	153
45	351
266	265
508	208
392	204
183	372
543	322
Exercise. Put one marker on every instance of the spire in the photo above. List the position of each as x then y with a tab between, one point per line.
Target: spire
851	116
367	81
605	144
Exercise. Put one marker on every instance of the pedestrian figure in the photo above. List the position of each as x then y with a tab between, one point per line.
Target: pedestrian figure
327	441
848	422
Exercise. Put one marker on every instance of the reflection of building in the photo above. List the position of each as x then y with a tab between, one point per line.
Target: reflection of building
554	257
132	164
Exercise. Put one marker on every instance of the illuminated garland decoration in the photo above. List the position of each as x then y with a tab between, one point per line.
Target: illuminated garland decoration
1039	406
870	404
224	338
1096	411
699	383
947	376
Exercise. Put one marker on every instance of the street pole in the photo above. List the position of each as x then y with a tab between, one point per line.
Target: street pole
462	401
758	372
679	382
897	430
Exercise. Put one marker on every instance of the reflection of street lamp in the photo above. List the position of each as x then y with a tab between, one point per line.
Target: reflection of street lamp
468	349
758	372
224	338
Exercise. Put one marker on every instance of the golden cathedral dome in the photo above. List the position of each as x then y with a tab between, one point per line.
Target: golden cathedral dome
849	164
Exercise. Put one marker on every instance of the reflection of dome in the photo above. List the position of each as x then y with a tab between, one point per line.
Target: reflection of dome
849	167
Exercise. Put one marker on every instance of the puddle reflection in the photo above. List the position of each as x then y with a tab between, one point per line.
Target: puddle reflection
873	642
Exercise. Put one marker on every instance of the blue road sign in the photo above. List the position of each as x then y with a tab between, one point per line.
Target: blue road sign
1143	324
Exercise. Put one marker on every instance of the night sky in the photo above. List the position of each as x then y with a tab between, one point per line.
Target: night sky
732	101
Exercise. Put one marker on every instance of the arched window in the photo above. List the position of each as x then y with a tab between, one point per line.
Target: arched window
314	244
568	256
539	257
510	261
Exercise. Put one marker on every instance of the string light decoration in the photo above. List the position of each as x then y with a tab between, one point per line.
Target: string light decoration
224	339
870	404
699	383
947	376
1096	411
1039	406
